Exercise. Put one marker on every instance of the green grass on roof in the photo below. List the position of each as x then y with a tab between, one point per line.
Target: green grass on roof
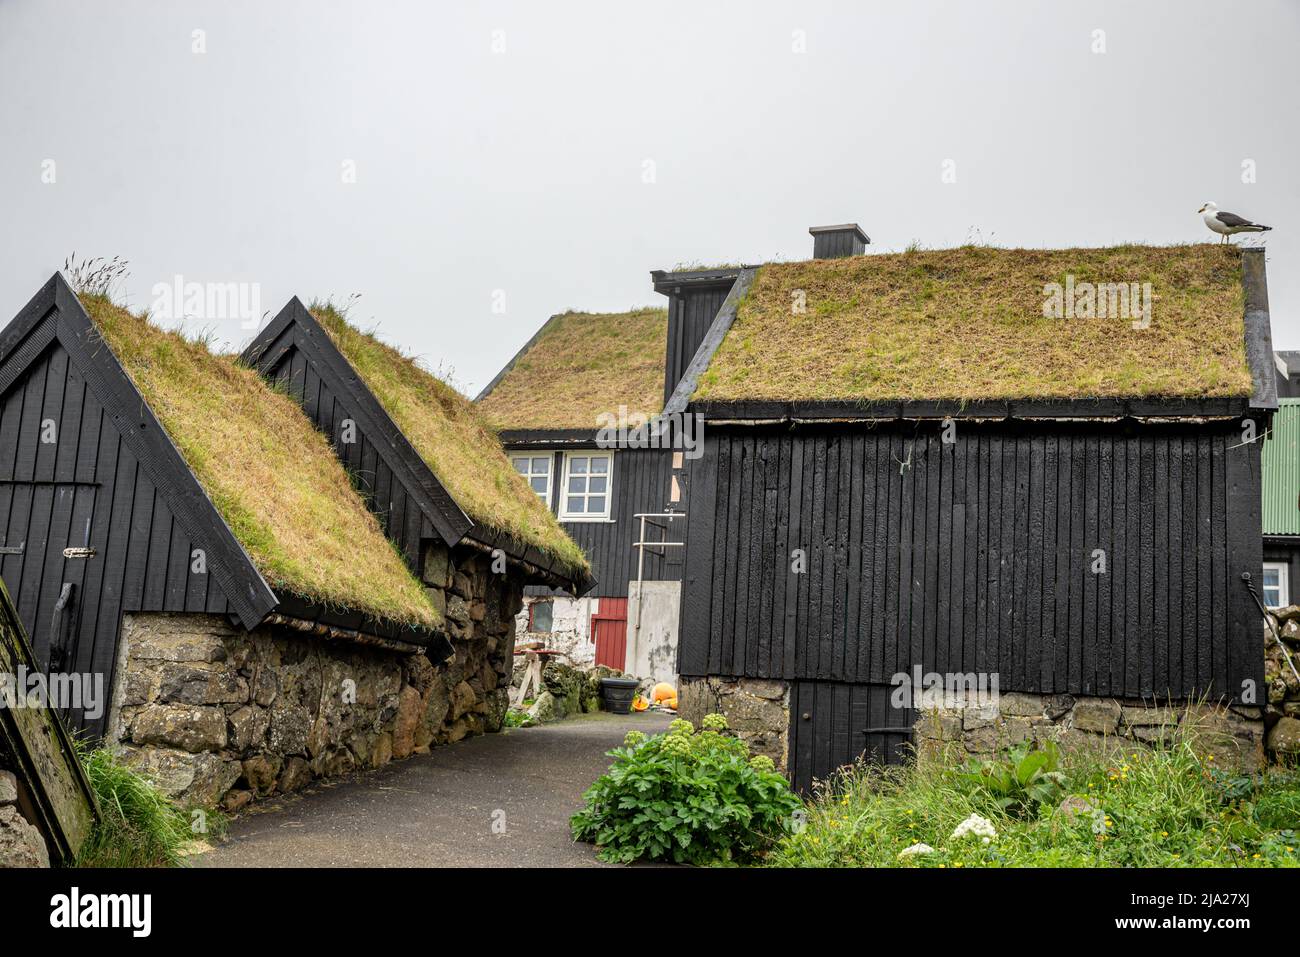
967	324
583	365
270	473
452	437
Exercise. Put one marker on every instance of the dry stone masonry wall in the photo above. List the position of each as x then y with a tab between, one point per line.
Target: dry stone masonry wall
221	716
757	710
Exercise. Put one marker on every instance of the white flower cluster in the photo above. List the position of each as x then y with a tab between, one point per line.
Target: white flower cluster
975	825
915	850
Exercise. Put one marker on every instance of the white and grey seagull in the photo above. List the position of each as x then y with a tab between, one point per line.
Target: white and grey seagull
1228	224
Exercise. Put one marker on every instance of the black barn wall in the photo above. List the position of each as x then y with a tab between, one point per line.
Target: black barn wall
84	489
975	556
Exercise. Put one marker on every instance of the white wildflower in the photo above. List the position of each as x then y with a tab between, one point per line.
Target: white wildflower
976	825
914	850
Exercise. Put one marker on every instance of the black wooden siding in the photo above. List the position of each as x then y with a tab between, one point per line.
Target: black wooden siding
974	556
690	313
641	484
402	520
86	489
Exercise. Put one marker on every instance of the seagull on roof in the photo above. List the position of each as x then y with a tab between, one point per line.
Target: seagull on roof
1228	224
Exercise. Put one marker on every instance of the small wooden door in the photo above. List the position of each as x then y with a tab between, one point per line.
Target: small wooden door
834	724
609	629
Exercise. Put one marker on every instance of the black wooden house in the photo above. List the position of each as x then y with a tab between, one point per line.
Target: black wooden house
910	468
101	515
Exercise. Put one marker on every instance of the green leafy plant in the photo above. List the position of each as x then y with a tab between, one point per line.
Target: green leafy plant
687	797
1021	780
518	718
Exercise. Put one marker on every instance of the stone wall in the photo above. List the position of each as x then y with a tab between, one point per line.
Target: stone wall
222	716
21	844
1233	735
570	628
757	710
1282	707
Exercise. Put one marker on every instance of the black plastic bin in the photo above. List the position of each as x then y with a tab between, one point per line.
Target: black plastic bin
616	694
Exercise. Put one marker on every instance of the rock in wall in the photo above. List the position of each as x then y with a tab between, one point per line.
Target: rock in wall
757	710
21	844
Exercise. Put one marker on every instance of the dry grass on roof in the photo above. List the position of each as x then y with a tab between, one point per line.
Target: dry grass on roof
967	324
584	365
271	475
452	437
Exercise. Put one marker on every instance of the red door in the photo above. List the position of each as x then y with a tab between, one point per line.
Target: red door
609	628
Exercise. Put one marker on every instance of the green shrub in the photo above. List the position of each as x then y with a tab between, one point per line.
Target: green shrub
686	797
1021	780
139	826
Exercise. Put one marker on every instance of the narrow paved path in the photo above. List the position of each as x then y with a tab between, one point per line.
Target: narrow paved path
438	809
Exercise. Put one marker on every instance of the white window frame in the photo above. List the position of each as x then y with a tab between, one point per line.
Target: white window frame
1283	583
563	503
530	474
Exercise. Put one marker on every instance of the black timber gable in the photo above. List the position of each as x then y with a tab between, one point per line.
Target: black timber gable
412	505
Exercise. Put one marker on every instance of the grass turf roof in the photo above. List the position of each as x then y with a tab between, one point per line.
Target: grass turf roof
584	364
967	324
454	440
271	475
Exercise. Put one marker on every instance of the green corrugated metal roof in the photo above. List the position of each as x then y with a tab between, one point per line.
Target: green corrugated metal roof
1281	471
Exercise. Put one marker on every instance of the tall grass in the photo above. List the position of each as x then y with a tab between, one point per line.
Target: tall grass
1165	806
139	826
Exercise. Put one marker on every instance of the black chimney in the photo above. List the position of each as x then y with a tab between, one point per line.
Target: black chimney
836	242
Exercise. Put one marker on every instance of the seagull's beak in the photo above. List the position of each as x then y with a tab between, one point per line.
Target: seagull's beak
1201	210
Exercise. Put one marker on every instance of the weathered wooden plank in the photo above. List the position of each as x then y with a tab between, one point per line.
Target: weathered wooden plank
52	783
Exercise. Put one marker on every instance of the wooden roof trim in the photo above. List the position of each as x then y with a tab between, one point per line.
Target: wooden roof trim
1172	409
1259	333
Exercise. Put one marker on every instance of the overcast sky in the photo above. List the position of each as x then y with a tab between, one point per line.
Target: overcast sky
539	156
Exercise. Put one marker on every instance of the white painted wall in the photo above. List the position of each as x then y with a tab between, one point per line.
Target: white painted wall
571	628
652	648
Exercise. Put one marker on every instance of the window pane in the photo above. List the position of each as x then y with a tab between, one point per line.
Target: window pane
542	612
1272	578
1272	596
575	505
542	466
596	503
578	466
521	465
577	483
539	485
600	465
597	483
